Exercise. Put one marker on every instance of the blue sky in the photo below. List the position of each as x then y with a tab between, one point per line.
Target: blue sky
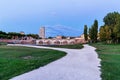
60	17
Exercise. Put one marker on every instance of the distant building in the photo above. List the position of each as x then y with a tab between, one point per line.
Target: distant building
58	37
82	36
42	32
22	33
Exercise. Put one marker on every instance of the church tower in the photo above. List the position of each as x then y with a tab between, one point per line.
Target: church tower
42	32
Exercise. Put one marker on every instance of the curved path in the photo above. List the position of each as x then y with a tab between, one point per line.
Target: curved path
78	64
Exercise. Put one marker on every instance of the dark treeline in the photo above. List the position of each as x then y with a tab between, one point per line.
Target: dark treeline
85	32
109	32
14	35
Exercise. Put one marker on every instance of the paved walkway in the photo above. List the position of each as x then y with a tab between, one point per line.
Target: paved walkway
81	64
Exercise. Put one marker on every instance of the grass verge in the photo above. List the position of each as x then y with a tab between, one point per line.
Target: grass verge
75	46
3	43
18	60
110	56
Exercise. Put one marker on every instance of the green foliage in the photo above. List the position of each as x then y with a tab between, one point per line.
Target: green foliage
116	29
85	32
102	33
3	43
14	35
93	32
111	28
3	35
111	18
105	33
50	37
36	36
18	60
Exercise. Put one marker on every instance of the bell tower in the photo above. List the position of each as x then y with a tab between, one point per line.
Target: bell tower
42	32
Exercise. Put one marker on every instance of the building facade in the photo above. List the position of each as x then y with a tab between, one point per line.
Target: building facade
42	33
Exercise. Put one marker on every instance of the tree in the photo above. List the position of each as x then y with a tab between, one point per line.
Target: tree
110	18
116	30
13	35
102	33
95	27
3	35
85	32
112	27
50	37
93	32
35	36
108	33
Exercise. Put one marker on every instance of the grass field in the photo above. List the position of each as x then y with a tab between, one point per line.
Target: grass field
18	60
110	55
75	46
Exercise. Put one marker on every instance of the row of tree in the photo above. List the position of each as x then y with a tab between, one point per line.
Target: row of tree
93	32
14	35
109	32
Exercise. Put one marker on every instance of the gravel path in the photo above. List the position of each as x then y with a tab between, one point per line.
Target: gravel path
78	64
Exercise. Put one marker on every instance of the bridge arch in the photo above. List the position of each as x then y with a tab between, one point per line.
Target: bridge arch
41	42
65	42
57	42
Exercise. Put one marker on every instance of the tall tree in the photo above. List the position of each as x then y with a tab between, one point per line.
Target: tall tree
95	27
85	32
93	32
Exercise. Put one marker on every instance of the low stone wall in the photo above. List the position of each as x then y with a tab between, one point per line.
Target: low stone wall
18	41
46	41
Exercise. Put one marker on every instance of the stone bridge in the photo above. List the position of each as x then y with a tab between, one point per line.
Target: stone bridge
59	41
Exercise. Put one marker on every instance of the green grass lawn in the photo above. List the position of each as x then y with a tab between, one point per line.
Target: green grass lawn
18	60
110	55
75	46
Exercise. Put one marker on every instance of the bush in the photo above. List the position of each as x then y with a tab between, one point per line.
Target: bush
3	43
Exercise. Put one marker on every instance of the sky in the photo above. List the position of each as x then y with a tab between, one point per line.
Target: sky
60	17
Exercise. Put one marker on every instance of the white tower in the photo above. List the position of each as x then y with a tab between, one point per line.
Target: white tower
42	32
